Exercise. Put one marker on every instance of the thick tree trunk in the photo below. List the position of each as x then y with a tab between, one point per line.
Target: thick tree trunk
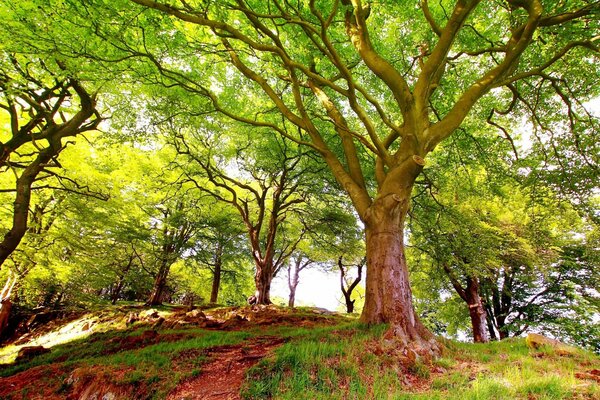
160	283
262	279
388	292
476	311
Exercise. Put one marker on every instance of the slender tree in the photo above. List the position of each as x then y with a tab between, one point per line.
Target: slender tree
297	263
348	285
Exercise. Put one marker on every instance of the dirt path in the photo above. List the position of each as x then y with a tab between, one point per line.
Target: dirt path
222	376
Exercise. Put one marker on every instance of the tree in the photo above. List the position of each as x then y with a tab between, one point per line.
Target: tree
219	246
265	193
348	286
296	264
44	108
372	106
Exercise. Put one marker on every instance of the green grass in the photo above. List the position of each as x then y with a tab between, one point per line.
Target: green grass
345	361
334	363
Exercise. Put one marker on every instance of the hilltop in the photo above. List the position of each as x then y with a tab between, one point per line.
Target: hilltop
132	352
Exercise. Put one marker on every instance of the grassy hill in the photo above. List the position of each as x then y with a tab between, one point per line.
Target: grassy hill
229	353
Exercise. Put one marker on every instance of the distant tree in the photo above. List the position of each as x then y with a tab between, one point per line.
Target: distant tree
348	285
267	193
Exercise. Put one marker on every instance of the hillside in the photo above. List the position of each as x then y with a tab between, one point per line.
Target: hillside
270	352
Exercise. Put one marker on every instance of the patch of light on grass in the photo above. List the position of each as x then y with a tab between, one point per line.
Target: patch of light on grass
68	333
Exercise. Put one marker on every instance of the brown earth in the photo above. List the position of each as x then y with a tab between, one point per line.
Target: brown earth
222	376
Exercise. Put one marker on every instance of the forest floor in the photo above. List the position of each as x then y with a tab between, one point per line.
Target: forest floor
131	352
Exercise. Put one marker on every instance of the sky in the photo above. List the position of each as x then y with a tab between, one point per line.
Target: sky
316	288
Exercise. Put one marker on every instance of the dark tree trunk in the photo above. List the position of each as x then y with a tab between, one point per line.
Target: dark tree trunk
218	266
216	283
22	201
5	307
476	311
6	302
388	292
347	291
160	283
116	292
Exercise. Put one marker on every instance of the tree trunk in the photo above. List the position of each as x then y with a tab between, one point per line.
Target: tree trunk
262	279
293	279
476	311
160	283
5	301
22	200
216	283
349	304
218	266
347	292
388	292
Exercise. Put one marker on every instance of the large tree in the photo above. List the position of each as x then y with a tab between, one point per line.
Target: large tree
44	106
373	92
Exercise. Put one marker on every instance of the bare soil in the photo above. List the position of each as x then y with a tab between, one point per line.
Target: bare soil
222	376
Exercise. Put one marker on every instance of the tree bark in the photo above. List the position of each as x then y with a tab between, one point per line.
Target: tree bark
160	283
347	292
6	302
218	267
388	292
293	279
476	311
262	279
22	201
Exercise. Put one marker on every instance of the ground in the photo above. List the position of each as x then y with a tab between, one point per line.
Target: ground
272	352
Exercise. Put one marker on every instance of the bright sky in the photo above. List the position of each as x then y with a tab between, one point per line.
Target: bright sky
316	288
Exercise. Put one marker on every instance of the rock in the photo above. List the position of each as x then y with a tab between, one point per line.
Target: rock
195	314
132	318
149	314
234	321
28	352
158	323
535	341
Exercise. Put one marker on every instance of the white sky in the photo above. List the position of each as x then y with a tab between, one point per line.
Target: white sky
316	288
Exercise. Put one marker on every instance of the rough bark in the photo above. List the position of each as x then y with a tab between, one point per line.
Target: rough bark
263	279
470	295
476	311
388	292
160	283
216	282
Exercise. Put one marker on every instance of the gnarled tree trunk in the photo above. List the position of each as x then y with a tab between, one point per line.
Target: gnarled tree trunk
160	283
388	292
476	311
263	279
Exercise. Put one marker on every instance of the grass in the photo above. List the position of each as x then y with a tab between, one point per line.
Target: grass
331	364
344	361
